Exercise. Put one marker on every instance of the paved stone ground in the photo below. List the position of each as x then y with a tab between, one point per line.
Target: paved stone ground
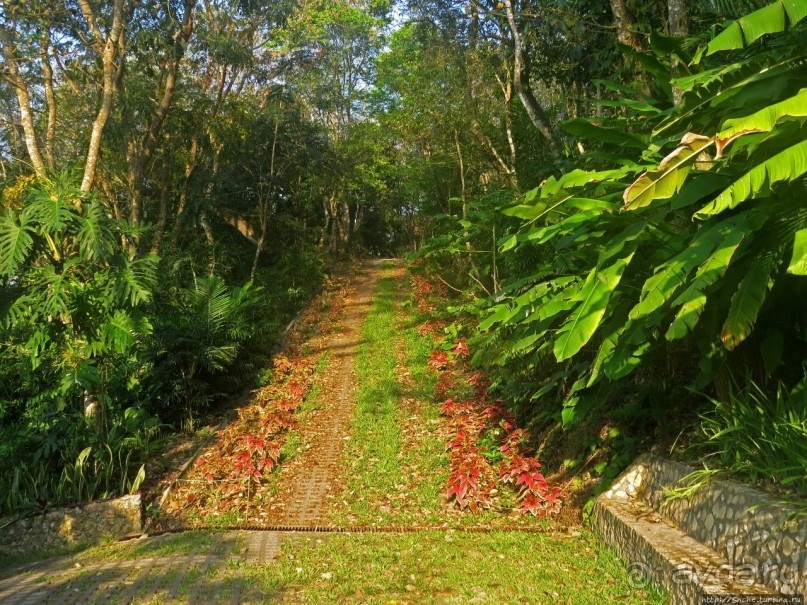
180	578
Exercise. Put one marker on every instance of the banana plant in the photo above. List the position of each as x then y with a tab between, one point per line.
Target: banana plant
676	232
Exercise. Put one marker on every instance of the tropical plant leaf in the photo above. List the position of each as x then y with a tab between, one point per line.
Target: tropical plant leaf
763	120
693	299
785	166
136	279
624	350
15	242
661	287
592	302
747	301
768	20
119	332
733	85
798	262
667	180
93	235
55	290
51	211
590	129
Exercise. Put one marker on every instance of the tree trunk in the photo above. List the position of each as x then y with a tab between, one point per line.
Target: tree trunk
17	81
507	93
678	22
523	88
193	159
165	196
624	25
142	152
677	18
50	99
182	203
108	47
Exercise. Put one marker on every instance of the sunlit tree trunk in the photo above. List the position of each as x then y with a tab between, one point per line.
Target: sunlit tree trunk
625	25
50	99
20	86
108	47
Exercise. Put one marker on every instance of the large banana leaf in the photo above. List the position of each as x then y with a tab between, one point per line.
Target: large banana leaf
542	234
670	176
798	263
731	87
589	129
670	276
747	301
623	350
592	302
786	166
693	299
765	119
768	20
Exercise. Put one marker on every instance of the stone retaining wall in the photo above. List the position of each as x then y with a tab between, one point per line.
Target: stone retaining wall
61	528
744	525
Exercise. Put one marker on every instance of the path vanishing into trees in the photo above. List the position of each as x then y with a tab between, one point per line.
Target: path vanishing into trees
369	423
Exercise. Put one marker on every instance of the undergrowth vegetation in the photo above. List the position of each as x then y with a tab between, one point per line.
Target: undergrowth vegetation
665	262
104	351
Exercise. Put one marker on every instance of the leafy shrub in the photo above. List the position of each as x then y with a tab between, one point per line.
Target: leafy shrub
73	294
199	336
684	234
759	437
69	462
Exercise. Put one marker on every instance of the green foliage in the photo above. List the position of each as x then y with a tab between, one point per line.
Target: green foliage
72	287
200	334
748	29
759	437
68	463
85	326
670	255
694	254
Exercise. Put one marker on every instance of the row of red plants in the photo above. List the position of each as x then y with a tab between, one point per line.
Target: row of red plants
231	474
477	422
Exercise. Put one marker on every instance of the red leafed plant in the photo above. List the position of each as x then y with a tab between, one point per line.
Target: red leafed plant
231	473
472	477
433	327
460	348
467	483
438	360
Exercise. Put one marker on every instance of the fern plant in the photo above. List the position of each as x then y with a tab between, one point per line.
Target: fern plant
200	335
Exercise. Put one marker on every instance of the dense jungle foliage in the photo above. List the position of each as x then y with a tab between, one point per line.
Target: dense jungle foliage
612	190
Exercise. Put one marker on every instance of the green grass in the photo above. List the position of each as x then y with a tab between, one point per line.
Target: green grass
372	453
427	567
439	567
396	458
189	543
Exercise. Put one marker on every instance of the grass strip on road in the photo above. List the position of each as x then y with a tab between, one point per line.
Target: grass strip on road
372	452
